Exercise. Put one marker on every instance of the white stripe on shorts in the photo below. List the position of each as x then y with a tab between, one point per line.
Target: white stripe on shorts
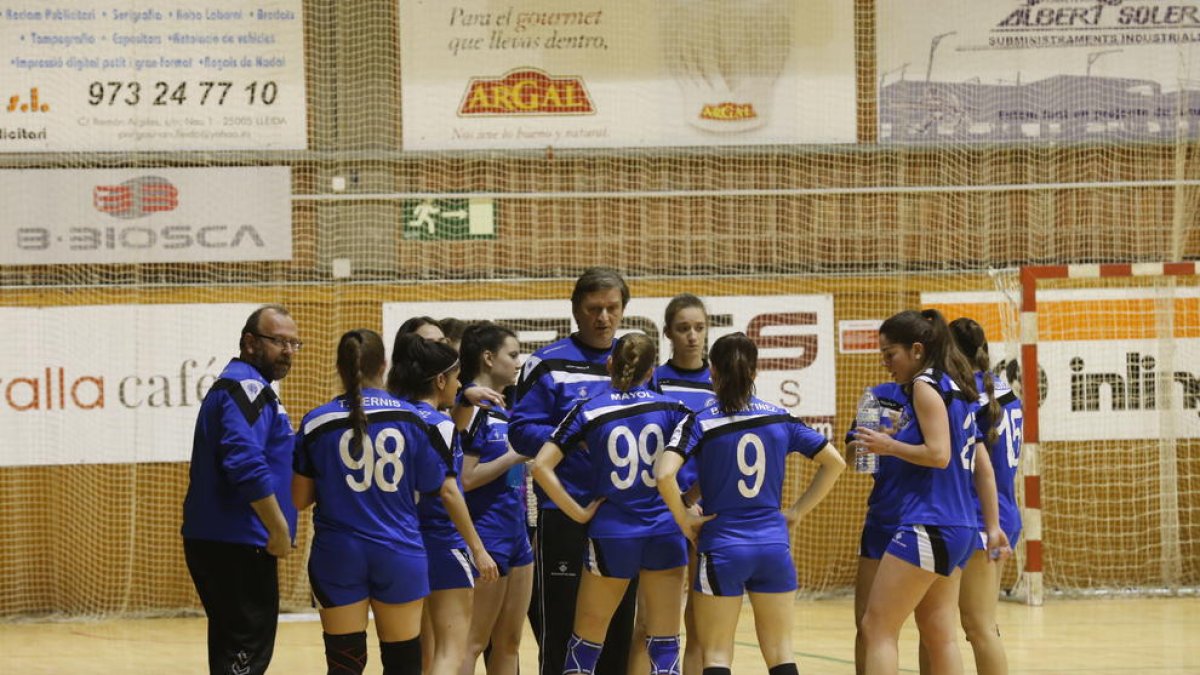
702	574
924	548
592	564
465	562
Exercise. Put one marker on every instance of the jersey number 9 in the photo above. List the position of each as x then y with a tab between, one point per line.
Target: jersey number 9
754	472
376	456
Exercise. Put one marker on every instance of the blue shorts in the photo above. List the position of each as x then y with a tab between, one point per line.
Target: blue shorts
344	569
510	552
733	570
874	541
450	568
623	558
936	548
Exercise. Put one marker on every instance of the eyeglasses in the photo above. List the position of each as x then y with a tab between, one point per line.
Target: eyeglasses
282	343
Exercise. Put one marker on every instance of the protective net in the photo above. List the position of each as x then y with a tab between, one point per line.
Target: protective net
859	189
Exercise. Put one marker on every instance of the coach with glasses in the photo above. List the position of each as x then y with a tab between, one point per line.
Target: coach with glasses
238	518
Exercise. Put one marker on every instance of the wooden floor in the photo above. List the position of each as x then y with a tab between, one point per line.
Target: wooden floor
1157	635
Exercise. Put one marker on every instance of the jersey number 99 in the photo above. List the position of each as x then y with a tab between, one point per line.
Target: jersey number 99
376	456
627	452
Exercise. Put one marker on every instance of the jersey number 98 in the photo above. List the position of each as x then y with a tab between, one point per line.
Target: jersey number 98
374	459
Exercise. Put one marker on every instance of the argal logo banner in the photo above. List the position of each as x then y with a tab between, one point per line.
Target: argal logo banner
794	334
612	73
109	384
1109	369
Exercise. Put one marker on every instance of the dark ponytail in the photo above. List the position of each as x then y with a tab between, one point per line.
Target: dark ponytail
477	338
971	341
632	358
734	358
359	351
415	363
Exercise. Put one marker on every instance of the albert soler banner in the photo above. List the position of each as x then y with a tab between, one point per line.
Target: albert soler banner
609	73
157	215
1014	71
90	75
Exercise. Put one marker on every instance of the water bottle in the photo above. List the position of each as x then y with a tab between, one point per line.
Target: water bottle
869	415
516	476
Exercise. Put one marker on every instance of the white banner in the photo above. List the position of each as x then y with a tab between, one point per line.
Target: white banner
109	384
1037	70
613	73
794	334
1100	383
90	75
145	215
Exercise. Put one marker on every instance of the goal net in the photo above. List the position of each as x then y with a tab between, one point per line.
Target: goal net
808	169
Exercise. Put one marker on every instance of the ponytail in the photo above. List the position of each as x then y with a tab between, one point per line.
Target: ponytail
929	328
734	358
632	358
359	351
970	339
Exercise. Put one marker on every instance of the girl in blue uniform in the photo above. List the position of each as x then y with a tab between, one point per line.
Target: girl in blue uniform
685	378
1000	422
631	533
493	475
937	492
741	443
883	507
426	374
362	457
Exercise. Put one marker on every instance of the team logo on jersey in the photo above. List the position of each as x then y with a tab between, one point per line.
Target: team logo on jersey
526	91
252	388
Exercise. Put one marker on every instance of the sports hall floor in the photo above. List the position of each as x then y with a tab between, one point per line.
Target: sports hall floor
1112	635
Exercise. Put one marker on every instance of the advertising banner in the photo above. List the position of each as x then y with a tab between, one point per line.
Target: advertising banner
794	334
1105	373
1037	70
89	75
109	384
589	73
145	215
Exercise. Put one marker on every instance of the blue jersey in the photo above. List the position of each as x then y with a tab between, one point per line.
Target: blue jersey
371	492
437	529
693	388
241	453
885	502
1006	453
497	508
742	465
932	496
624	433
553	380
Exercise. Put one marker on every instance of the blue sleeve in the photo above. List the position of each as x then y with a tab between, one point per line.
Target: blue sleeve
243	457
685	440
301	458
804	439
471	441
567	434
532	419
429	467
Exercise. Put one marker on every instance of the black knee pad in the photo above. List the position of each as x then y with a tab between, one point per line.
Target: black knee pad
717	670
784	669
346	654
401	658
